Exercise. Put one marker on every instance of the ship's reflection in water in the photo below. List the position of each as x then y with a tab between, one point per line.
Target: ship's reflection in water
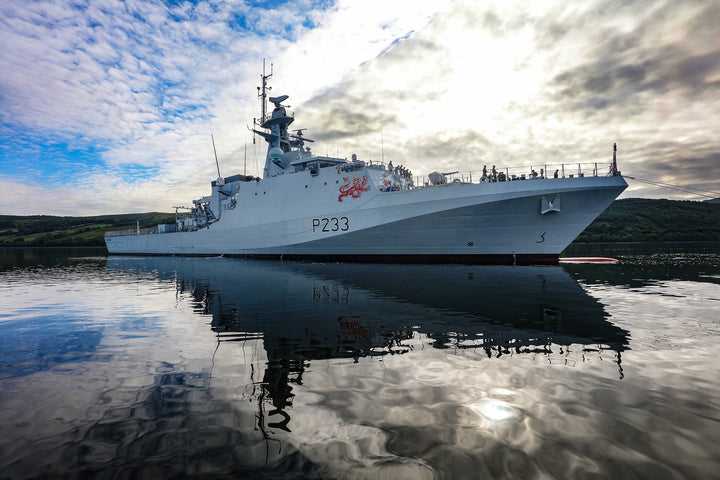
302	314
314	311
215	368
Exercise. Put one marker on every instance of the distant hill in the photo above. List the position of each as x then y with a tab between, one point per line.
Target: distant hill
50	231
627	220
646	220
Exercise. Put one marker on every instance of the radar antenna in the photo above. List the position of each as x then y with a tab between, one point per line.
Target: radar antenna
299	139
299	135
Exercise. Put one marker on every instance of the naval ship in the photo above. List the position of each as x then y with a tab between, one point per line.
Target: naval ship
309	206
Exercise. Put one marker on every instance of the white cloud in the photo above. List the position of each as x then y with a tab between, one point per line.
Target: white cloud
456	84
495	77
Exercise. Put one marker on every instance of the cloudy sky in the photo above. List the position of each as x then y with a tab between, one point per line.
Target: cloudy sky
107	106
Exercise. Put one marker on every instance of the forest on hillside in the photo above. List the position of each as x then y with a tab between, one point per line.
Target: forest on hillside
648	220
52	231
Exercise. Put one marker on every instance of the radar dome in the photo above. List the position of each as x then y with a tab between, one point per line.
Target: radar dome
276	153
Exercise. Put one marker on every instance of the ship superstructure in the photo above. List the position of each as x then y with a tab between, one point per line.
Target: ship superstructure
328	208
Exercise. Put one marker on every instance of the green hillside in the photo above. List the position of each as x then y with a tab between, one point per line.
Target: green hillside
628	220
646	220
50	231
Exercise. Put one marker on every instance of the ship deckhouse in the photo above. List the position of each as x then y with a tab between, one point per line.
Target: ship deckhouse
286	152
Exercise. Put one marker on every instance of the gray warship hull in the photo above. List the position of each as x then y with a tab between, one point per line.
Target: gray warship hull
514	221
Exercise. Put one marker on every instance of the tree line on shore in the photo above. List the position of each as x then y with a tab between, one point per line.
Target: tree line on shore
626	220
650	220
52	231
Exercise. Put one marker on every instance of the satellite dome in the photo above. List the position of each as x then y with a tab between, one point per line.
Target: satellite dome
276	153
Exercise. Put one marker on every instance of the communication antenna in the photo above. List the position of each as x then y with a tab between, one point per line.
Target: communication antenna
255	154
614	161
217	164
382	146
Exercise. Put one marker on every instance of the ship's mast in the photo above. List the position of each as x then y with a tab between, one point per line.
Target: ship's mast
280	143
263	91
614	162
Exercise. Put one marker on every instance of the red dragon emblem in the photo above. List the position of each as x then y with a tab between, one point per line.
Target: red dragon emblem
353	189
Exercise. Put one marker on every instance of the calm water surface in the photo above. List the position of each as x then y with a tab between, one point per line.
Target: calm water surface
130	367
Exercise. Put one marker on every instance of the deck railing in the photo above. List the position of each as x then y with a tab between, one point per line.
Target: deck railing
130	231
509	174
